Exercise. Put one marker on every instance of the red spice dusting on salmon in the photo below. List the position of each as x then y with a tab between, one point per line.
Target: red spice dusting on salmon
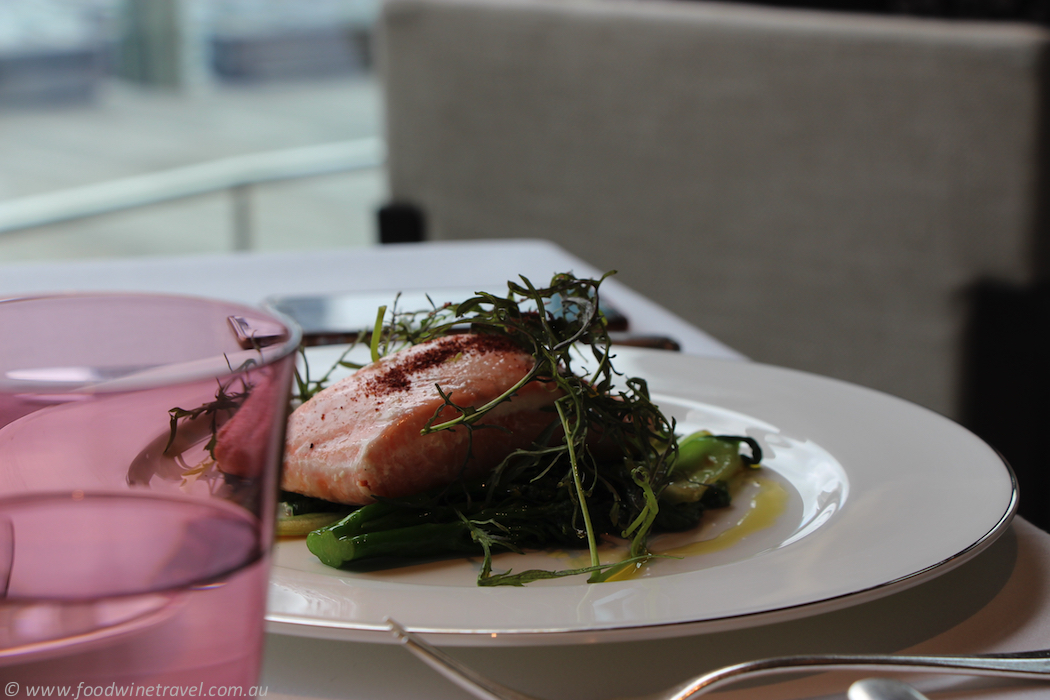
397	376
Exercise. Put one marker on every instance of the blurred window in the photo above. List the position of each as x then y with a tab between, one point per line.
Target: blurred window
96	91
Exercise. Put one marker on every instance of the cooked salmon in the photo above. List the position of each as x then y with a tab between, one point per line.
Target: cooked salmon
360	437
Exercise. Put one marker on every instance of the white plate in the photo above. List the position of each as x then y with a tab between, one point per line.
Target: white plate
883	495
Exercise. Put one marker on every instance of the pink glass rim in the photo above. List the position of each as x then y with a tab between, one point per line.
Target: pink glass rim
286	344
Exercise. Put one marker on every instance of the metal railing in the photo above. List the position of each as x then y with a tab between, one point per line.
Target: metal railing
238	174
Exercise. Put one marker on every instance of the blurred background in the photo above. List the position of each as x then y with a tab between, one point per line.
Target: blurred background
856	188
96	91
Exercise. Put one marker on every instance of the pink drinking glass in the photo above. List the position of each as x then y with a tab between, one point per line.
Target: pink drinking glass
140	444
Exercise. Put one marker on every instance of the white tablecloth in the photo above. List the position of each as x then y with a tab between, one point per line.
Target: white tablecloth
999	601
252	277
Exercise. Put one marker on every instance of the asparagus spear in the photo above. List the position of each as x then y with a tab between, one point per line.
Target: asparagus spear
433	525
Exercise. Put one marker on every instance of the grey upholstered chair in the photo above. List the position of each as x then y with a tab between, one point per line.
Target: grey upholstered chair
817	190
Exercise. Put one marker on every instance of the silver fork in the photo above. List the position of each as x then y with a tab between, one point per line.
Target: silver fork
1029	664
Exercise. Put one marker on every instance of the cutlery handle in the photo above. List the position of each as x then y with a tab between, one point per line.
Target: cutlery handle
655	342
1032	664
1024	665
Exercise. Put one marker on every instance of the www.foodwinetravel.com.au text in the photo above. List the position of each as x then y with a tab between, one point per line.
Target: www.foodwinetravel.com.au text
13	689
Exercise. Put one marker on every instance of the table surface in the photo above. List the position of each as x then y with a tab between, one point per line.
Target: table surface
998	601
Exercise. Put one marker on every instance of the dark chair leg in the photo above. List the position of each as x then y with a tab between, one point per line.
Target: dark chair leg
1006	379
400	222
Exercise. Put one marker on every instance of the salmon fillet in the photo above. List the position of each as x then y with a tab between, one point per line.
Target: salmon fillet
360	437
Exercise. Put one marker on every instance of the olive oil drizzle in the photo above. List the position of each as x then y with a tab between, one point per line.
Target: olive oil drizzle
767	504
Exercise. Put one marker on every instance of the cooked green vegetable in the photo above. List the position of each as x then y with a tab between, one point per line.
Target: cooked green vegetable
699	477
609	464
